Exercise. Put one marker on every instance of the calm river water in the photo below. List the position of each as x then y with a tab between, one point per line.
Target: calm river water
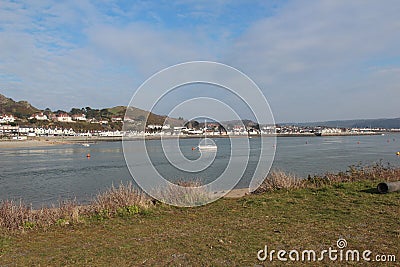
43	175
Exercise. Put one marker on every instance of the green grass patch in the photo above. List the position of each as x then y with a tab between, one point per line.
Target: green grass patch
5	242
228	232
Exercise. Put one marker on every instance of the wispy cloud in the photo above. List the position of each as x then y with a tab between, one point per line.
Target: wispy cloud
309	54
57	65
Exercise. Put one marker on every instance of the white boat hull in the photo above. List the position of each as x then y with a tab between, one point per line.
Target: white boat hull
209	147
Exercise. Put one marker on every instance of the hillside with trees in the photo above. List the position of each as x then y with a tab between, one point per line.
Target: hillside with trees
95	119
20	109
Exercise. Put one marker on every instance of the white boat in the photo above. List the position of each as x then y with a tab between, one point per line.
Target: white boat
86	144
205	146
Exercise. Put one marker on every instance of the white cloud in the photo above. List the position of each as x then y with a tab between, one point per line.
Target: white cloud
50	69
142	46
308	54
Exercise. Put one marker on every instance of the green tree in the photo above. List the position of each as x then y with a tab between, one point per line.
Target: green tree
75	111
47	112
60	111
105	113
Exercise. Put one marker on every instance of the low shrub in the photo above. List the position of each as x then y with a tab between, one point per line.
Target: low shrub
277	180
123	200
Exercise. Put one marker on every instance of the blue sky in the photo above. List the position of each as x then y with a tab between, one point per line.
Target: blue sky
313	60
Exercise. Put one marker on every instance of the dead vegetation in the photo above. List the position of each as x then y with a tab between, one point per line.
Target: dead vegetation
278	180
121	200
126	200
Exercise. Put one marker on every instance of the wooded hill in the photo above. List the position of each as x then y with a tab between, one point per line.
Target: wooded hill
22	110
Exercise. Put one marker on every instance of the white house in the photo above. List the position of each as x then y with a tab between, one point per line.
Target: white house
7	118
39	117
111	134
116	119
154	126
331	131
79	117
69	132
64	118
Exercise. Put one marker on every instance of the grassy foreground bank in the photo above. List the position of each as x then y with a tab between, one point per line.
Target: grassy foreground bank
228	232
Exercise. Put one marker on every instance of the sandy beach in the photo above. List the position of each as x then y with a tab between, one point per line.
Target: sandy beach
51	141
29	143
237	193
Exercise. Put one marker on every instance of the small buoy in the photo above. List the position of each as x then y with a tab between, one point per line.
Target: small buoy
193	148
358	143
398	153
88	155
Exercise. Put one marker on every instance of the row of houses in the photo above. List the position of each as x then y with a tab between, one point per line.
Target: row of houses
62	117
14	131
212	130
7	130
24	132
47	132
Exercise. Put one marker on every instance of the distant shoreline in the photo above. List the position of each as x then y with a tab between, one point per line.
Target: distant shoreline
64	140
28	143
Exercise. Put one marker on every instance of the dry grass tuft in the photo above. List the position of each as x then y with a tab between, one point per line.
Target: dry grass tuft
14	215
115	198
190	193
18	215
121	200
277	180
375	172
378	172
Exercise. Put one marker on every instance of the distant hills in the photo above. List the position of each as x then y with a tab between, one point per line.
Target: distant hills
23	109
19	109
365	123
138	114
